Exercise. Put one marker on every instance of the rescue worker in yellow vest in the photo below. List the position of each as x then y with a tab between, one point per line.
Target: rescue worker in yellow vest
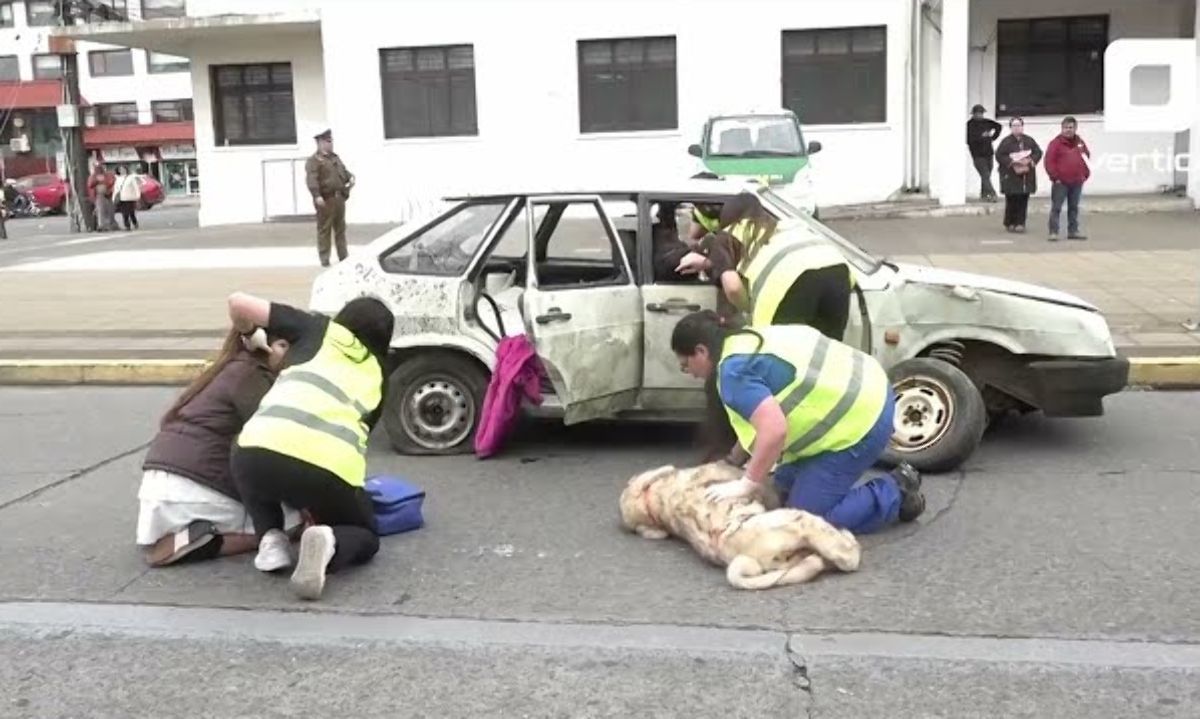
306	445
820	409
779	280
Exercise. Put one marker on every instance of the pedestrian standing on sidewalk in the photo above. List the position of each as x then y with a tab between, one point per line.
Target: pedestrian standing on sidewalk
100	191
1068	170
128	193
981	133
329	182
1018	156
306	446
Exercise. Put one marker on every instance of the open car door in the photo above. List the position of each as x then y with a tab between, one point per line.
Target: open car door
582	308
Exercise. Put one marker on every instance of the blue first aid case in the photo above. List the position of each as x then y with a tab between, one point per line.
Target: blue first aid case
397	504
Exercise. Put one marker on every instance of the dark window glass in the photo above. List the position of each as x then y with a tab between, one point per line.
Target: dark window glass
836	76
627	84
253	104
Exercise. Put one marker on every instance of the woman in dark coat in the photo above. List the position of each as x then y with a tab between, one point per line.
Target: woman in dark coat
1018	176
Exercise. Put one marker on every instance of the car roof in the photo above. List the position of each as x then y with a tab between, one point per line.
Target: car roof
685	186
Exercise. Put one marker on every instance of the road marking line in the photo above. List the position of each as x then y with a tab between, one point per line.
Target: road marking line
995	242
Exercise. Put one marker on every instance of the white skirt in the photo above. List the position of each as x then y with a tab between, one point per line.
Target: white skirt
169	503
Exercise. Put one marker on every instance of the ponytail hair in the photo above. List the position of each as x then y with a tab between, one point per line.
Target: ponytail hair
708	329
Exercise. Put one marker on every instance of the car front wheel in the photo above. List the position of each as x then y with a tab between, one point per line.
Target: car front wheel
940	415
434	403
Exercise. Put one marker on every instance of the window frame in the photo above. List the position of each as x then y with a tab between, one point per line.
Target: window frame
151	69
862	108
29	16
393	80
182	103
155	13
104	110
12	14
1067	105
34	66
634	85
218	94
541	236
16	64
94	55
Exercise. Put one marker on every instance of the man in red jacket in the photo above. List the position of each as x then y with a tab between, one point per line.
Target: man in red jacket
1068	171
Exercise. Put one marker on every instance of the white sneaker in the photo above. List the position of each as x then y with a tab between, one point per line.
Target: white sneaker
274	552
316	551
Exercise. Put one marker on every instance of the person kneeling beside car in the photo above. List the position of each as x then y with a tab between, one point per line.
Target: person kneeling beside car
189	507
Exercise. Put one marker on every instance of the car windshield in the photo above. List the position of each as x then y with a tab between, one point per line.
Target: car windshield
446	246
776	136
860	258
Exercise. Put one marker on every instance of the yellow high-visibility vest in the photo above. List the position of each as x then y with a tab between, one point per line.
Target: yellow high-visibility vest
834	400
316	411
778	264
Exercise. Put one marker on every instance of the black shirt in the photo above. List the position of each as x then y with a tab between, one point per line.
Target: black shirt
305	331
981	133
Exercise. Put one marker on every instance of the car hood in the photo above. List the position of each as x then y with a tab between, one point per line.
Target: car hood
953	278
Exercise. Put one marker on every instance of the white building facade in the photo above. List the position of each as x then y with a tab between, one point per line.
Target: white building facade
138	103
434	97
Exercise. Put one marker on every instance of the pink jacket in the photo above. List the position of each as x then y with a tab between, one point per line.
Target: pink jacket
517	376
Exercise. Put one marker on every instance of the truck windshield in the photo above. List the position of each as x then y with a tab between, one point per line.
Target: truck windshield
750	136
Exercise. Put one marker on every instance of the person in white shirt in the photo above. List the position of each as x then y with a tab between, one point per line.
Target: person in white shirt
128	192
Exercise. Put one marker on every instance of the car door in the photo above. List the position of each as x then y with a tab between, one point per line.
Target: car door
664	302
582	308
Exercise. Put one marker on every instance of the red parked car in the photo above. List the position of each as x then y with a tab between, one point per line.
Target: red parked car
50	190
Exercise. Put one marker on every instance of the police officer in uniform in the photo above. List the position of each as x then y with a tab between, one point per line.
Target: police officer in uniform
329	182
820	409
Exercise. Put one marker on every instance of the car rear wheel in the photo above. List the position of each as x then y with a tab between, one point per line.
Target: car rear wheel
434	403
940	416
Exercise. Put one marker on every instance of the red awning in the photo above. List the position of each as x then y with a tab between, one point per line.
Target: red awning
31	95
158	133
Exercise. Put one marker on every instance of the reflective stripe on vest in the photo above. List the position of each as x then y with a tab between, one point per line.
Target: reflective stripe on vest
777	266
834	400
316	411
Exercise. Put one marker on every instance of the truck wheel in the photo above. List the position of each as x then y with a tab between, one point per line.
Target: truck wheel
433	404
940	415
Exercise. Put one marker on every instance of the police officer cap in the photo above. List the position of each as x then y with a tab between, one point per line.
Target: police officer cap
325	135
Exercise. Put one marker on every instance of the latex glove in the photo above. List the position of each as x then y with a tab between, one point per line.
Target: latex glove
691	263
736	489
256	341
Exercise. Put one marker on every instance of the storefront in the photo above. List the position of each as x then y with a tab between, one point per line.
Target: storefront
164	151
178	171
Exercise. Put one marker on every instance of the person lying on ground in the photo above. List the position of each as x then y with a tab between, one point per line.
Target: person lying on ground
189	506
306	445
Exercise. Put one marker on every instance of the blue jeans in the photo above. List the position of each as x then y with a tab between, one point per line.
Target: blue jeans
1059	192
824	484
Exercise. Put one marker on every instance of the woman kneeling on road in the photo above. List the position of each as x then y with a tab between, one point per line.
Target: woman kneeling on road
820	408
306	446
189	505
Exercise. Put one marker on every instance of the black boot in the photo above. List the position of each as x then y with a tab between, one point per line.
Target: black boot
912	501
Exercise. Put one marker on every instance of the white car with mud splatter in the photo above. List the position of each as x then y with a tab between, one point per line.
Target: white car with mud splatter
573	272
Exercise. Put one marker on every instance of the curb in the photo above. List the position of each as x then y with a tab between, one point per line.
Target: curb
99	372
1037	206
1144	372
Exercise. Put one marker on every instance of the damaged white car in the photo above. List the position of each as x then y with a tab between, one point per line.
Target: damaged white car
573	272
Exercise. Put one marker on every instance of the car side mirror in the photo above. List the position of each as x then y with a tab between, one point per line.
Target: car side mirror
695	151
814	147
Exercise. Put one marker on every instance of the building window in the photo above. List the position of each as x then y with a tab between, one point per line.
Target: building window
110	63
253	104
428	91
836	76
171	110
157	62
1051	66
154	9
627	85
47	67
40	13
10	68
117	113
6	14
120	6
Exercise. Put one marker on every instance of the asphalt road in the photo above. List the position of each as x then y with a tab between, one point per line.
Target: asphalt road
1056	574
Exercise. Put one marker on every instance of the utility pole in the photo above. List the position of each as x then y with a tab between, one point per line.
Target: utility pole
79	207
